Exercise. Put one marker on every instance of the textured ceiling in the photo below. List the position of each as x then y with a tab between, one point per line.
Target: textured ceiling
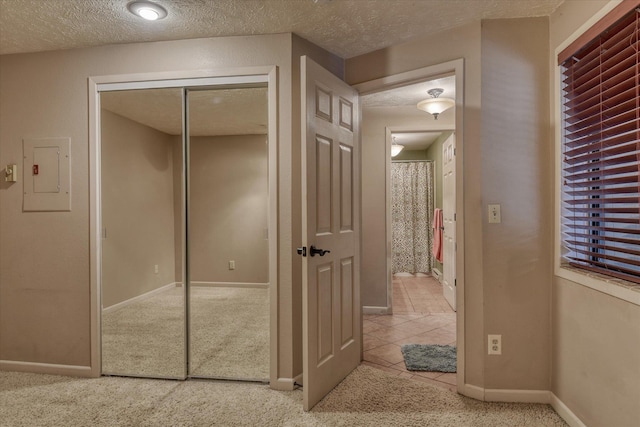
211	112
345	27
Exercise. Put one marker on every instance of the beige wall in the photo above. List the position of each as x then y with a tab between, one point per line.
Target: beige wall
228	209
410	155
44	271
375	120
596	350
45	300
178	230
509	279
137	209
516	173
596	337
462	42
501	57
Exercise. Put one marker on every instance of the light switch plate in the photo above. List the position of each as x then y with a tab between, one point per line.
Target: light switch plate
494	214
11	173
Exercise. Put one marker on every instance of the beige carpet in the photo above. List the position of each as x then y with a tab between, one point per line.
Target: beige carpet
229	328
368	397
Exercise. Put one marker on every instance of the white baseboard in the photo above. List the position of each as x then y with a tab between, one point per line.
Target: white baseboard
139	298
285	384
523	396
505	395
519	396
473	392
231	285
564	412
375	310
46	368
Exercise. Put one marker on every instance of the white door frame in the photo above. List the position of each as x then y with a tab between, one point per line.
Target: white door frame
195	78
455	67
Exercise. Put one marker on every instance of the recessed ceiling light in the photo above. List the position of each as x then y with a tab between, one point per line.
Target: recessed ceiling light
147	10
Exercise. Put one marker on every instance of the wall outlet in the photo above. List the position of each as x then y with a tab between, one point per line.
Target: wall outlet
495	344
494	214
155	269
232	265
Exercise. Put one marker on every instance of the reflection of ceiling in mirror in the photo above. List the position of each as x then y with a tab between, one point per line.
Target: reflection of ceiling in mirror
241	111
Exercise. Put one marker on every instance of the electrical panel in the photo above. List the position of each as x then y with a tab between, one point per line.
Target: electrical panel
47	176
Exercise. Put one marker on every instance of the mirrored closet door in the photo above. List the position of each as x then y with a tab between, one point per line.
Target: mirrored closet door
228	242
185	258
143	297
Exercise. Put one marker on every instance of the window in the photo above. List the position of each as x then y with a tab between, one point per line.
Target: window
600	84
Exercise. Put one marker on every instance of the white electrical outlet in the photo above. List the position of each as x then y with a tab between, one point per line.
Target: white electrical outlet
495	344
232	265
494	214
155	269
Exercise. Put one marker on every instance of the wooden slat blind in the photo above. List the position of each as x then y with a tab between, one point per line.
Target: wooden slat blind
601	151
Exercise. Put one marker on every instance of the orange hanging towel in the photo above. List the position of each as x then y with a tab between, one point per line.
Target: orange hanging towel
437	234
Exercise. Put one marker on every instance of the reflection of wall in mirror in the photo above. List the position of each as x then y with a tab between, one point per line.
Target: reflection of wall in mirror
137	209
228	209
141	195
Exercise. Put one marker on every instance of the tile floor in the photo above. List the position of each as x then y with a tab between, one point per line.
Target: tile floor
421	315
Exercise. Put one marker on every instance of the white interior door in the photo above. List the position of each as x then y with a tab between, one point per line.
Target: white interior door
449	219
330	212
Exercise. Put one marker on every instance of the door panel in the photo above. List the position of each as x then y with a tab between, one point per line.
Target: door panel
325	315
346	188
449	222
330	171
346	303
323	202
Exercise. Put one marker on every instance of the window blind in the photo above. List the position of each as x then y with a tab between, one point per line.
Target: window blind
601	152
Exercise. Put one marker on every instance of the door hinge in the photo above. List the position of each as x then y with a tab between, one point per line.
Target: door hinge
455	282
454	216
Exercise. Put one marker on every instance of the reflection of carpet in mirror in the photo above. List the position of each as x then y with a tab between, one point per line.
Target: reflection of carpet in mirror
229	328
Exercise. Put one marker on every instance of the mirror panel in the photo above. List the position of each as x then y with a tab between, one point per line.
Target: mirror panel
228	242
143	302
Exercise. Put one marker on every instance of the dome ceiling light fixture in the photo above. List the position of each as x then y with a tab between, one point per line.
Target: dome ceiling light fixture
395	148
147	10
435	105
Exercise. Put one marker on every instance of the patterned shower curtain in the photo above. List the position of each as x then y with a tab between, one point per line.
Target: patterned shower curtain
412	205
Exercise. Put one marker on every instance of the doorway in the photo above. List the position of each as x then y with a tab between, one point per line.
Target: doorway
185	216
393	87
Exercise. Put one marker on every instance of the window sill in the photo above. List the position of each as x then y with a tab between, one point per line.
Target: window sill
618	288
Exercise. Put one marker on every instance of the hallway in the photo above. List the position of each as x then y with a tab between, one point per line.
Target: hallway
421	315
